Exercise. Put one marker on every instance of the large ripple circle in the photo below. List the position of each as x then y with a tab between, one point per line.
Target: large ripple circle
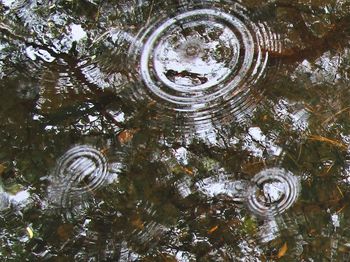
180	68
272	191
203	62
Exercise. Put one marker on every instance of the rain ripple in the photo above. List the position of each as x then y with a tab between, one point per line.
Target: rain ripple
80	170
268	194
201	62
204	62
272	192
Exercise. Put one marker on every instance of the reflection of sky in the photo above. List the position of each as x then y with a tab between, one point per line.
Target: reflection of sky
8	3
256	142
335	220
204	62
169	59
183	256
324	69
77	32
33	53
196	64
299	116
274	191
19	199
346	170
181	155
223	185
2	56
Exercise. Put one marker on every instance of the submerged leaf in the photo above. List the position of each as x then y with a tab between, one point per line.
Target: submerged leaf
65	231
126	136
30	232
138	223
213	229
282	250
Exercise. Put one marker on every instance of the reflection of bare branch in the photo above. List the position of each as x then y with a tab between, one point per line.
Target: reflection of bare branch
335	115
336	38
150	12
109	117
330	141
100	98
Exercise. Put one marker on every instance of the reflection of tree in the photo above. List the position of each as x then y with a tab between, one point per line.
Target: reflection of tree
64	86
302	42
68	56
71	92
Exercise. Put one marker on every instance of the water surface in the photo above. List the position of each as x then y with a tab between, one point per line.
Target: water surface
174	130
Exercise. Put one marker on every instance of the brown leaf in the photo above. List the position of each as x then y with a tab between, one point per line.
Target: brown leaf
126	136
138	223
341	209
213	229
2	169
104	150
188	171
65	231
282	250
168	258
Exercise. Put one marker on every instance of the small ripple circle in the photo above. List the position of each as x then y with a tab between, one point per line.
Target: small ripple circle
272	192
82	169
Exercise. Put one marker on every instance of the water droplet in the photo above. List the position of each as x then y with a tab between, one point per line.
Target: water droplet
272	192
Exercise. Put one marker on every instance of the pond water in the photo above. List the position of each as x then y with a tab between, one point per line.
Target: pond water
175	130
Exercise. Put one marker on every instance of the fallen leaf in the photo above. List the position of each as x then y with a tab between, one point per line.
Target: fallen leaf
282	250
138	223
341	192
312	232
335	115
65	231
126	136
168	258
341	209
213	229
151	104
251	168
104	150
30	232
188	171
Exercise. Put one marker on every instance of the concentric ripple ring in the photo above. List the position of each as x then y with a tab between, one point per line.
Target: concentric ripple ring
272	191
204	61
155	44
82	169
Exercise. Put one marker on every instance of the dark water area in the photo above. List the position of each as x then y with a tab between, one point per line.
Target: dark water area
138	130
